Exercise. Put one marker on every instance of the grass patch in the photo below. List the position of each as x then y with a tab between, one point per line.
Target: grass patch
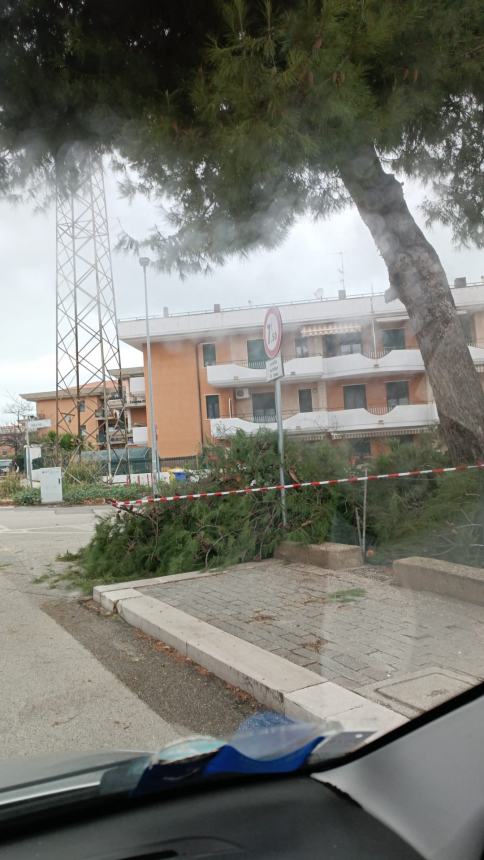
72	578
69	556
347	595
10	485
27	496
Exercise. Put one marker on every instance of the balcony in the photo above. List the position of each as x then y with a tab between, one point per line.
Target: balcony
241	373
319	367
338	421
134	400
386	362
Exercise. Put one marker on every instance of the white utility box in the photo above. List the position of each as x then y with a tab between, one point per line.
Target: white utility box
50	485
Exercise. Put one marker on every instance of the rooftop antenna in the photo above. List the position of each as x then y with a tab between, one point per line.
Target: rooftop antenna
88	360
319	294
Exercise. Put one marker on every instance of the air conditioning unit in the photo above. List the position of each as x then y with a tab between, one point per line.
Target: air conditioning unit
242	394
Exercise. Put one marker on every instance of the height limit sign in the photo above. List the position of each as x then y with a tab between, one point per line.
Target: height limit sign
272	344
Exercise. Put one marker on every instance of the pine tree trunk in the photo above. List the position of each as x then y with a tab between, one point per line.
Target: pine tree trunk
418	278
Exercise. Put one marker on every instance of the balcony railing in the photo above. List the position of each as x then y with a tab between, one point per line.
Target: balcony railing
267	417
350	297
374	354
331	421
318	366
261	365
384	410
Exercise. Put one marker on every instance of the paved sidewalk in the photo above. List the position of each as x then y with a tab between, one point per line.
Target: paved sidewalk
404	649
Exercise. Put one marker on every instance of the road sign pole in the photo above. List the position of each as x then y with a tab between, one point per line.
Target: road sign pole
272	336
280	443
27	454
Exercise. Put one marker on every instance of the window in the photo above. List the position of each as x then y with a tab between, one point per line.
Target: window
83	430
467	324
361	449
397	394
305	400
82	405
394	338
354	396
264	407
209	354
302	347
342	344
350	344
212	405
256	355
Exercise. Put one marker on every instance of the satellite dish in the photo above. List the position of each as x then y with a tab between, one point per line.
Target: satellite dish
319	294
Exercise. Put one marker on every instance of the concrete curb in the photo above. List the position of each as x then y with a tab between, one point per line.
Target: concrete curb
329	556
272	680
155	580
441	577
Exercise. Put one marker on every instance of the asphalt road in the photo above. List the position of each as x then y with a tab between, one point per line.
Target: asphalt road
74	679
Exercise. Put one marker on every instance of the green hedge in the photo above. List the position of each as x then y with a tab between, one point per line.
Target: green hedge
76	494
26	496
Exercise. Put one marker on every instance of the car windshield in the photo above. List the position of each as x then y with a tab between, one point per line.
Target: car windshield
241	367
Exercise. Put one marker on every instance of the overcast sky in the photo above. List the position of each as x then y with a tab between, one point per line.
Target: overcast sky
306	262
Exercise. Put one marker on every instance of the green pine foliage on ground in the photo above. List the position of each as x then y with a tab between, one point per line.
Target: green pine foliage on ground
438	516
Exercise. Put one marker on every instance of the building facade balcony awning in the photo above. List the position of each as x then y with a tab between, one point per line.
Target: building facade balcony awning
330	328
376	433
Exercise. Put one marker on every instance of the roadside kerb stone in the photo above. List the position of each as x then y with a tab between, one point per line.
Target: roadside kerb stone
331	702
272	680
260	673
335	556
109	599
155	580
441	577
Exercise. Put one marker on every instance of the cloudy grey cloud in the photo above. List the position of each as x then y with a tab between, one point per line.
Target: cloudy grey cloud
307	261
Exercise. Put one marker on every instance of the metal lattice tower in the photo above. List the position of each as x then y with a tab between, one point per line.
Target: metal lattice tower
88	364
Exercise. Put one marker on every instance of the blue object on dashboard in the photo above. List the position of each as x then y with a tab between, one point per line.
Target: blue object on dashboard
266	743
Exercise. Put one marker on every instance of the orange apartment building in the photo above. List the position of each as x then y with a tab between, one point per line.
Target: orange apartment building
91	413
352	371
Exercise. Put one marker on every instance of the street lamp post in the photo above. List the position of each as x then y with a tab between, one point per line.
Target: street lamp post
144	263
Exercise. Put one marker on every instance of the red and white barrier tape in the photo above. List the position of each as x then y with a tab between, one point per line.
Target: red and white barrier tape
355	479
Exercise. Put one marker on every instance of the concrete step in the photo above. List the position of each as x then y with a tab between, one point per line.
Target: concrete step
334	556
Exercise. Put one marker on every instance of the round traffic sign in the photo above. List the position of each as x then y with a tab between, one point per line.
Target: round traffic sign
272	332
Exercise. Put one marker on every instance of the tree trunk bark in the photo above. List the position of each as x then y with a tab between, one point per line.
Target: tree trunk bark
419	281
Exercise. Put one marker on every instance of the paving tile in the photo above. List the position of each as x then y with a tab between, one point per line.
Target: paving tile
390	631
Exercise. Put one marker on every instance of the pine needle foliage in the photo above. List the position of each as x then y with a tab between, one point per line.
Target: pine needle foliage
438	516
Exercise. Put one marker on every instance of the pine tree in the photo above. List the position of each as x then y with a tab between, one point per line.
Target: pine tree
247	115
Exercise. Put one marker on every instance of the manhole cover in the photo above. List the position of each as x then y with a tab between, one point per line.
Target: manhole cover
425	691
